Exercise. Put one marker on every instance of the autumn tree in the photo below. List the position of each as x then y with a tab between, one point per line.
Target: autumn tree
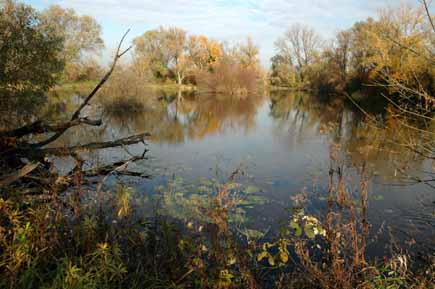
81	34
179	61
169	53
164	51
204	53
236	73
151	51
329	73
342	52
248	54
397	45
282	71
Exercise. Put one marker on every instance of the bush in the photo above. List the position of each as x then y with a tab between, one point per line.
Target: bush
82	71
229	78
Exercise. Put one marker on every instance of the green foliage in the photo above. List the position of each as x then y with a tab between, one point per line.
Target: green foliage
163	52
29	57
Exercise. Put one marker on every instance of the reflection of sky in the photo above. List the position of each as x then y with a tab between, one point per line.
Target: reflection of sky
263	20
283	152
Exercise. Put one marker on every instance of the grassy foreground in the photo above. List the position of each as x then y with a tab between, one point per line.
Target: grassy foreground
66	242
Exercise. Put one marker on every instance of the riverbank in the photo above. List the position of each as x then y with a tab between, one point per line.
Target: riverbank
76	245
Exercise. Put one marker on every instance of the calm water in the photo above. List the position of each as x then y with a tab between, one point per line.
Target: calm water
283	142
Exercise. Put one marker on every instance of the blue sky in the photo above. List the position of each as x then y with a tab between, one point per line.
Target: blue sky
263	20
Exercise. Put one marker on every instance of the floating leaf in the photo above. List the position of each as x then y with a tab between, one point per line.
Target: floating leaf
204	189
283	256
271	260
309	231
226	275
262	255
266	246
232	260
251	190
378	197
253	234
284	231
296	227
205	182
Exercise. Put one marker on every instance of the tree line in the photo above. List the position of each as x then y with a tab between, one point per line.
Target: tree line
170	54
40	49
363	60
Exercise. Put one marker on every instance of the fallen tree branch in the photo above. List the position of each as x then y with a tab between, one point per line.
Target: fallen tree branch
40	127
11	178
66	151
120	168
76	114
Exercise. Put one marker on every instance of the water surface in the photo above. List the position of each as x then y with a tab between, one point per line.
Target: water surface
283	143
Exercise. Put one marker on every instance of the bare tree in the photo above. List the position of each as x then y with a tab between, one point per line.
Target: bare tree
300	43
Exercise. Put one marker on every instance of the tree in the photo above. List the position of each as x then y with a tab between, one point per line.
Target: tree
300	43
179	62
203	52
151	52
282	71
82	34
397	44
342	51
248	54
29	57
198	50
164	50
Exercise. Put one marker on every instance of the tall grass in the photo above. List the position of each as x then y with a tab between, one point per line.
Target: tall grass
69	242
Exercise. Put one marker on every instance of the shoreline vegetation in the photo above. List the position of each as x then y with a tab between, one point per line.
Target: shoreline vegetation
83	229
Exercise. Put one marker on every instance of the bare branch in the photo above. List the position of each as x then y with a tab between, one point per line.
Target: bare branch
11	178
76	114
412	50
429	16
94	146
40	127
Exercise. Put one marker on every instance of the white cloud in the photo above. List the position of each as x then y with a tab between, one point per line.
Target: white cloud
263	20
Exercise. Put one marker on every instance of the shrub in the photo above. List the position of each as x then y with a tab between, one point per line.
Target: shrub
229	78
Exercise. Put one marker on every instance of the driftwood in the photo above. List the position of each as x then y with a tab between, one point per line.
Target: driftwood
13	149
119	168
76	114
40	127
66	151
11	178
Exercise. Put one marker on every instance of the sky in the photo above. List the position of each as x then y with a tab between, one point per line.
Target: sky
263	20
